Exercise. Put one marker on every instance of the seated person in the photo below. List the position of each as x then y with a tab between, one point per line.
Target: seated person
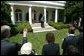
51	48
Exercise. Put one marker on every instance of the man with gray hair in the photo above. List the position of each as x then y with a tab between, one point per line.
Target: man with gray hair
5	31
7	48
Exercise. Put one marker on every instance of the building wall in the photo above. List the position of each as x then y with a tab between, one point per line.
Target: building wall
41	10
25	9
38	11
50	10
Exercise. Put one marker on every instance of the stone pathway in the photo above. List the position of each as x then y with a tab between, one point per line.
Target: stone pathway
37	28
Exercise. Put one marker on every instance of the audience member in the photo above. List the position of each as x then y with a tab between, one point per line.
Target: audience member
4	22
71	50
51	48
70	39
7	48
72	45
80	40
26	48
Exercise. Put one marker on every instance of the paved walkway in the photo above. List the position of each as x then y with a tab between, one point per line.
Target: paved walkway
37	28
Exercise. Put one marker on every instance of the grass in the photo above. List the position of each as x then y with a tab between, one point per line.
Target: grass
38	39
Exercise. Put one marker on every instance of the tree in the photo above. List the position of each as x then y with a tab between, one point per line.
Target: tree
5	11
73	10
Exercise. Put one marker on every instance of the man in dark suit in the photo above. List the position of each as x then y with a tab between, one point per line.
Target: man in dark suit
42	22
7	48
80	40
51	48
4	22
72	50
69	40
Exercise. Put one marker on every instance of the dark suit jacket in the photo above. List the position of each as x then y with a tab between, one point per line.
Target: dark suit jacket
80	42
24	40
70	40
51	49
8	48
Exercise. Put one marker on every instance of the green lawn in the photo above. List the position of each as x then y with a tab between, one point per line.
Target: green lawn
38	39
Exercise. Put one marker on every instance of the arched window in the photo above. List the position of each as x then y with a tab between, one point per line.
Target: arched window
18	10
18	15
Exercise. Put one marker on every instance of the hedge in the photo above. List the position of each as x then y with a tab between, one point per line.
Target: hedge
18	27
58	25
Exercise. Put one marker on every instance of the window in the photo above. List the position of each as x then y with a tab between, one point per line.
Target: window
60	15
18	15
27	16
34	15
53	16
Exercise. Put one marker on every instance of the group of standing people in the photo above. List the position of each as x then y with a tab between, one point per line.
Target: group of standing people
72	45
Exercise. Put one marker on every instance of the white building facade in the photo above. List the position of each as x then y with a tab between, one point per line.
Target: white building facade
32	11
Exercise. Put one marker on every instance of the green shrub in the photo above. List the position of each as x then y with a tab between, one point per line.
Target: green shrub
13	29
58	25
50	23
20	26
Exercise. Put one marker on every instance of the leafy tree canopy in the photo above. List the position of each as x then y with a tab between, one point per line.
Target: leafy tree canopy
5	11
74	9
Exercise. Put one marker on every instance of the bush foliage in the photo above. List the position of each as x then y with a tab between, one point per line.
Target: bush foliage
18	27
58	25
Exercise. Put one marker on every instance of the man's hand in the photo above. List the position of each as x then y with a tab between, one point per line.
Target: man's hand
25	32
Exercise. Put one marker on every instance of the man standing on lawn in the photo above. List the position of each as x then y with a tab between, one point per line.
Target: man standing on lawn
42	22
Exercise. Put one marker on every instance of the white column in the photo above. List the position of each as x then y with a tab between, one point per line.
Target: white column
30	17
56	15
44	15
23	18
12	15
79	24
